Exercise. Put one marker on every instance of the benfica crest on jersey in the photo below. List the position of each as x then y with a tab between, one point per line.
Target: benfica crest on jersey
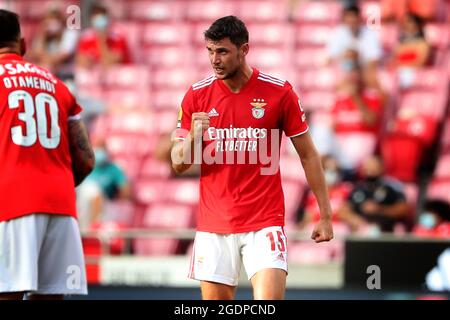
258	110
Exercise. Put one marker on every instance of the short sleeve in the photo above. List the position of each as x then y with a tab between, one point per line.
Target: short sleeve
293	119
184	115
74	109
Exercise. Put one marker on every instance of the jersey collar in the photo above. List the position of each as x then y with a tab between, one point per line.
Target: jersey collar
10	56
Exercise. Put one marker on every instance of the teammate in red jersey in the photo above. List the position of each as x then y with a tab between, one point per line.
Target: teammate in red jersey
238	113
44	153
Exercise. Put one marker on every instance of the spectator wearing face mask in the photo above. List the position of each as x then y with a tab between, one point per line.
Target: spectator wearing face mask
101	44
434	221
353	34
357	114
376	204
106	183
54	45
338	192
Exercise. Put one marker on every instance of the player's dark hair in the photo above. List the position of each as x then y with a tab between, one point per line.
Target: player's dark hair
228	27
351	9
9	28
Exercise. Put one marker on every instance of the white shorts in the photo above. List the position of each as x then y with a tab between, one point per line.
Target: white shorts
218	257
43	254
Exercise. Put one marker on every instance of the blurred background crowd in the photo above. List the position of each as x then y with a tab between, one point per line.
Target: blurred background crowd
372	75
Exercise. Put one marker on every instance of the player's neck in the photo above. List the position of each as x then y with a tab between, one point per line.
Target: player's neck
238	81
9	50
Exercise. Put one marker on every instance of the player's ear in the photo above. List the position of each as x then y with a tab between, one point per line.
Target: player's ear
244	48
23	46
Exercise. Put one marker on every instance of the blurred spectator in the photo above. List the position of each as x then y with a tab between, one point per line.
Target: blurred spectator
357	115
353	34
54	45
397	9
434	221
338	192
376	203
101	44
106	183
412	51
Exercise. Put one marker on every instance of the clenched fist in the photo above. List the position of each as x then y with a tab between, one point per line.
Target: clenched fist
200	122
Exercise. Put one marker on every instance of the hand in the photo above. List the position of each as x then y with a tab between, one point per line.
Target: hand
323	231
200	122
370	207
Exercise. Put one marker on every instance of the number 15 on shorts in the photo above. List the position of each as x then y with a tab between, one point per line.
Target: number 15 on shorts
276	238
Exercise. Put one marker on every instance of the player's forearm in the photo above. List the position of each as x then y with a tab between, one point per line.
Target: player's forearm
83	159
316	180
183	154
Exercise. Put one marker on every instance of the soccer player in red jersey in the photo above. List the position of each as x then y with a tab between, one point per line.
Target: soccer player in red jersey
44	154
237	113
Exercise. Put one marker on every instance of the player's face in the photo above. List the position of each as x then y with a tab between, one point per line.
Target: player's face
225	57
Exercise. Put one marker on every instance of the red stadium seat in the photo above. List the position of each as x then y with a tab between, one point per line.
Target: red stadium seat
150	191
168	56
168	98
209	10
271	34
126	144
154	168
326	12
305	253
437	35
156	10
128	76
130	164
430	79
307	58
173	78
429	103
166	121
172	34
317	35
442	170
388	34
262	11
293	193
445	142
184	191
265	58
313	100
128	98
117	9
166	217
413	124
323	79
401	156
139	123
32	9
439	189
291	169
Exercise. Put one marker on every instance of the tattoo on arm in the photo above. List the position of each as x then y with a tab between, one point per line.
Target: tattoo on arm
81	151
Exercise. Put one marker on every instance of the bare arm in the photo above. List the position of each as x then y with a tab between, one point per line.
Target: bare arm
83	159
184	151
312	165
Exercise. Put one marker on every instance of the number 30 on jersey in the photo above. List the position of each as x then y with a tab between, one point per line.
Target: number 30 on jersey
35	128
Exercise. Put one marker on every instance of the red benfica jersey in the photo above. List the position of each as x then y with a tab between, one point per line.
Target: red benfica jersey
35	163
245	131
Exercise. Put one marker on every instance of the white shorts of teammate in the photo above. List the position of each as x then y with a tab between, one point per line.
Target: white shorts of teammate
219	257
42	254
